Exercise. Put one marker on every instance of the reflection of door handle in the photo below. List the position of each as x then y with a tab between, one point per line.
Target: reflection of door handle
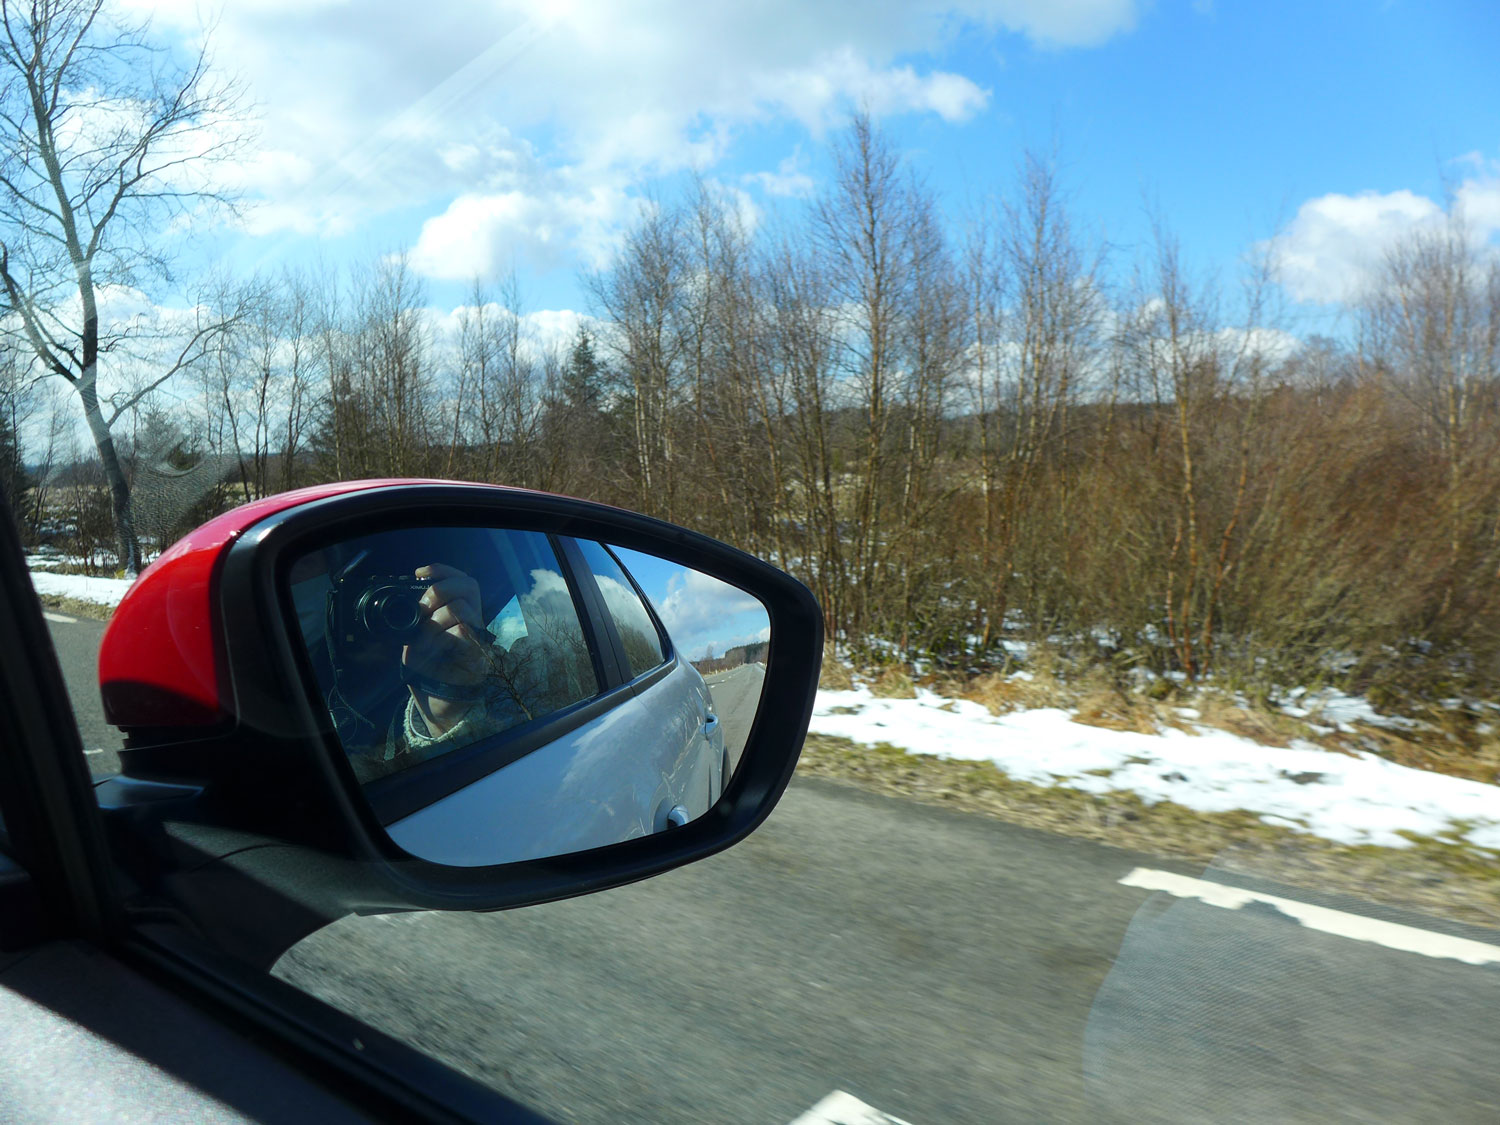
677	817
710	725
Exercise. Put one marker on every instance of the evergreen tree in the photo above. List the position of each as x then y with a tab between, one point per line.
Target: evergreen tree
583	379
15	481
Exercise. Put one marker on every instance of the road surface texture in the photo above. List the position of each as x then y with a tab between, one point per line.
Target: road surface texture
76	640
736	696
941	966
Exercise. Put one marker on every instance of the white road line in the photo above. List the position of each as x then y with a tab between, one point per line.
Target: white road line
60	618
839	1108
1356	927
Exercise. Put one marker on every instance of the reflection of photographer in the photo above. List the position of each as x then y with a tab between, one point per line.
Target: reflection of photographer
445	657
427	628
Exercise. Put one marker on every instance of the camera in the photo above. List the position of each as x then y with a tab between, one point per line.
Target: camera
380	607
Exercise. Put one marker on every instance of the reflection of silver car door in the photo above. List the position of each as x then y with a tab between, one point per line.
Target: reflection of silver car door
598	784
678	705
641	767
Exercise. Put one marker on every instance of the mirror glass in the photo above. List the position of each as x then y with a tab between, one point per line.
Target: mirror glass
504	695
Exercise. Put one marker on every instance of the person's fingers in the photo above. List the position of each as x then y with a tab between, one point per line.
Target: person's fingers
439	570
460	594
451	615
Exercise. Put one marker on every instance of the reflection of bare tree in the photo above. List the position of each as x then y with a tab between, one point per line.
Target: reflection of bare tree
637	633
544	670
511	679
556	637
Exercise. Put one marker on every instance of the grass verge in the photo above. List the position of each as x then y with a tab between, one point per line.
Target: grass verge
74	607
1432	876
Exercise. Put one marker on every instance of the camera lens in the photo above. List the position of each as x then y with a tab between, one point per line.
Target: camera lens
391	611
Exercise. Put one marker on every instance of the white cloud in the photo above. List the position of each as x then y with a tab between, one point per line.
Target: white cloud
787	180
499	113
542	331
703	614
478	234
1330	250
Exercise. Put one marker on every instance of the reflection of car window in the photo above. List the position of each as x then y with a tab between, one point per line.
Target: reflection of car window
403	688
643	647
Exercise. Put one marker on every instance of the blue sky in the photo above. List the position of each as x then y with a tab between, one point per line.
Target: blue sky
524	135
703	616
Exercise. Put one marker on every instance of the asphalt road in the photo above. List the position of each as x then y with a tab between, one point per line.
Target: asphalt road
736	696
940	966
76	640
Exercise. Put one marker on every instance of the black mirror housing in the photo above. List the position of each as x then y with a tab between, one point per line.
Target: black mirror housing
243	792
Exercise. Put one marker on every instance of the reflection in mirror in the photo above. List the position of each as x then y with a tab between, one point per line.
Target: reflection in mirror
505	695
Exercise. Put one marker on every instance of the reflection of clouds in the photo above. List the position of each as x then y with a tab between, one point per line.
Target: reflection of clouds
549	598
642	646
699	611
623	604
548	605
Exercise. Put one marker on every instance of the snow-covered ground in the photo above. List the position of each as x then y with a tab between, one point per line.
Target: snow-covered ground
1362	799
102	591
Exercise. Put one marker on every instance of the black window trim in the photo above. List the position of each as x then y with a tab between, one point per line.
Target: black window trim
413	789
591	584
601	626
661	630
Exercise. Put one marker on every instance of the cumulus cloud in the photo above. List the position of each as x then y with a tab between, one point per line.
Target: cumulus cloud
497	114
705	616
1329	252
787	180
477	232
541	331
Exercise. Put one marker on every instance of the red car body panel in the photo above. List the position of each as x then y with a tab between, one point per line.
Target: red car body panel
159	661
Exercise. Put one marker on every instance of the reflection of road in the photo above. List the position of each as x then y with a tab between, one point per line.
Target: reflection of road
736	698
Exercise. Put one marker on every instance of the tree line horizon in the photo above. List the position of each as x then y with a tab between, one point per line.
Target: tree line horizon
954	433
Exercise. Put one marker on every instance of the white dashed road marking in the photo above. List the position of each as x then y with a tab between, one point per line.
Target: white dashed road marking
61	619
839	1108
1392	935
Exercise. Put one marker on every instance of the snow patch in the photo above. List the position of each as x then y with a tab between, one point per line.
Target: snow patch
1338	709
1359	799
101	591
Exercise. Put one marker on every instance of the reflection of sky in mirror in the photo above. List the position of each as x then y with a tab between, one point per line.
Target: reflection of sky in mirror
703	616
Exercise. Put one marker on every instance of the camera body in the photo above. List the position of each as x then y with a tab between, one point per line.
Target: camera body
376	608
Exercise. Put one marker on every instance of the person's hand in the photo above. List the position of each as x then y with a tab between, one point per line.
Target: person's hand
448	647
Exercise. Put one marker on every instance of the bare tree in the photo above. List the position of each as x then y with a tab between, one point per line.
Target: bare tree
642	295
1431	327
106	143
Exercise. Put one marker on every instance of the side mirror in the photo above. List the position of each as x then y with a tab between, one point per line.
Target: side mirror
427	695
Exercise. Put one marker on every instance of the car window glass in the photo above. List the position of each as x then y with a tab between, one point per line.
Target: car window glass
427	640
643	647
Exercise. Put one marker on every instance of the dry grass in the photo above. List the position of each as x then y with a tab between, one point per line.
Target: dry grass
1001	695
73	607
1116	710
1424	749
1270	728
835	674
893	683
1446	741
